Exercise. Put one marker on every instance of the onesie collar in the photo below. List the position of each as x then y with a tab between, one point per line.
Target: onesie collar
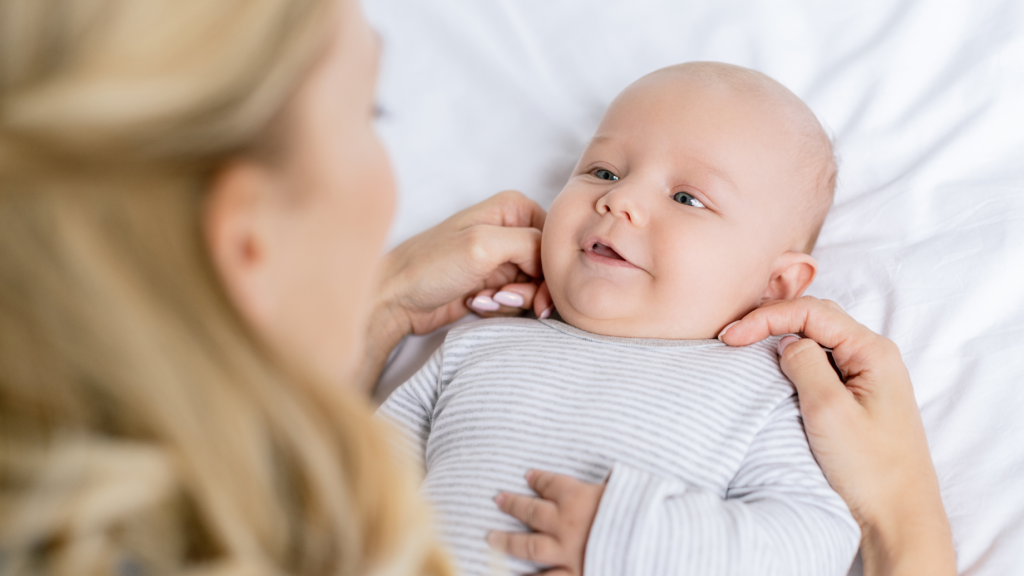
631	342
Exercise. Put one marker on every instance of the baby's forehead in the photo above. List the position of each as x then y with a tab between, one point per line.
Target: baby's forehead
738	104
733	89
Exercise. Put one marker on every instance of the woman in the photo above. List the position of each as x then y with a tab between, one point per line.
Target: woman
191	206
192	200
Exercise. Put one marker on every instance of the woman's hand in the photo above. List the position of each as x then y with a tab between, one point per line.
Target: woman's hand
489	252
866	433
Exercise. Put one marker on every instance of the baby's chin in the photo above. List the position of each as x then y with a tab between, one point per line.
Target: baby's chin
625	319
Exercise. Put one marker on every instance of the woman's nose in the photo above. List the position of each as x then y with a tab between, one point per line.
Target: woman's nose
626	202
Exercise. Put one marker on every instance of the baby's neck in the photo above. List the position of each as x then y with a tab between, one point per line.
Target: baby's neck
555	320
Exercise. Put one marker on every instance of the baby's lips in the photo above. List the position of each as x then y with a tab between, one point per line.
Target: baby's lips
604	245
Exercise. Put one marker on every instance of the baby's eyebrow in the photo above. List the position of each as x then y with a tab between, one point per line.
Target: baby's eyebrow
715	172
721	175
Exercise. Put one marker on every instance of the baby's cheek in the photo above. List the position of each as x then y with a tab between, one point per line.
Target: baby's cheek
696	288
552	261
558	246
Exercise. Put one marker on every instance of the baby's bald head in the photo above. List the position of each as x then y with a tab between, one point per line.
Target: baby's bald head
698	199
802	142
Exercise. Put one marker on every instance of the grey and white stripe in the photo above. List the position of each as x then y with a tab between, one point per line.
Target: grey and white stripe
707	463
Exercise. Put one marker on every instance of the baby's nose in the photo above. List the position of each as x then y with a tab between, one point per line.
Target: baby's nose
626	203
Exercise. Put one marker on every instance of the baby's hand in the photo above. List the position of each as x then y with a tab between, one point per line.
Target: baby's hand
561	519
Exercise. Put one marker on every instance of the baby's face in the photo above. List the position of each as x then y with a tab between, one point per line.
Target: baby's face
678	214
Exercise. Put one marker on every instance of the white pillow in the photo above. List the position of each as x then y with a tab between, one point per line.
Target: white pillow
925	243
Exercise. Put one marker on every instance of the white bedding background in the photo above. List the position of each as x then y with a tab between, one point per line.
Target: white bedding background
925	243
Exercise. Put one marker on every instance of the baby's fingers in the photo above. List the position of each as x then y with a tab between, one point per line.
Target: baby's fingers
539	514
551	486
531	546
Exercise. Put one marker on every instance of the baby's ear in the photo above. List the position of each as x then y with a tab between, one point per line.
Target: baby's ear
791	275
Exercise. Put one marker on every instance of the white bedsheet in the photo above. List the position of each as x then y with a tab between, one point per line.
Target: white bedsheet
925	243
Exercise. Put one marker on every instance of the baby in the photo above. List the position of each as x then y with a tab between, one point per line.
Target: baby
699	198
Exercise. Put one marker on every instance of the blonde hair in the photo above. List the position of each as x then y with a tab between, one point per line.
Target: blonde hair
143	427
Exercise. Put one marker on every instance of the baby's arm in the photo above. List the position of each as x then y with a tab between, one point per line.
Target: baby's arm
779	517
410	408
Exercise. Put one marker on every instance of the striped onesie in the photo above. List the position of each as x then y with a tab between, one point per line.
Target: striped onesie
707	465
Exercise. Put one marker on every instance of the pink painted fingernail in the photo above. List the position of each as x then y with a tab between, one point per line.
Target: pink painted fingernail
547	312
786	342
510	299
484	304
726	329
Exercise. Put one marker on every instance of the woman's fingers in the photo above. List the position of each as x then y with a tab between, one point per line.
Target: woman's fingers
505	228
488	246
855	347
543	305
426	280
531	546
806	364
537	513
822	320
506	208
515	295
510	300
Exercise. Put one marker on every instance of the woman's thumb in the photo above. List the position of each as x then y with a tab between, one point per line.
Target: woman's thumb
805	363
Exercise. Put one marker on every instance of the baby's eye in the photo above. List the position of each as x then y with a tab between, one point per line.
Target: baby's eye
688	199
605	175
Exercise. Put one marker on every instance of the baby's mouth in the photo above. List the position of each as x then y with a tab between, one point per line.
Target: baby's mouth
606	251
602	254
